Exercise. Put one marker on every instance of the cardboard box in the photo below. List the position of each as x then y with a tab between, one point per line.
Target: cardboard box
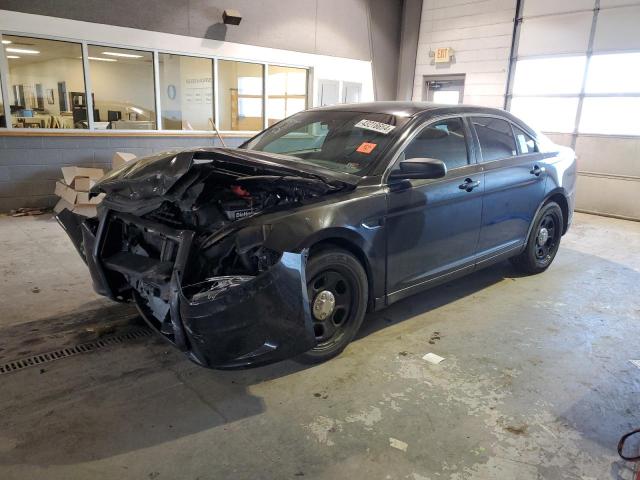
84	210
83	184
120	158
71	173
83	199
66	192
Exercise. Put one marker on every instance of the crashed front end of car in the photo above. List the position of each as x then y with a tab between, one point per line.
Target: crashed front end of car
178	235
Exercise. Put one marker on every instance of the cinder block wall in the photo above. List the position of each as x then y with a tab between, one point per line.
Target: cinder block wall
30	165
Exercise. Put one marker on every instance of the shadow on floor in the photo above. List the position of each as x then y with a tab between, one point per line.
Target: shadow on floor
143	394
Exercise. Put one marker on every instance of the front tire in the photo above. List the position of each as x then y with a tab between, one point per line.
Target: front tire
543	242
338	292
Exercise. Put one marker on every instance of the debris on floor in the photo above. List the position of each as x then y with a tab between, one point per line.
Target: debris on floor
517	429
635	362
399	444
433	358
434	336
29	211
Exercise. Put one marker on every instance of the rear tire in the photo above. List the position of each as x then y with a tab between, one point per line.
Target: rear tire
543	242
338	291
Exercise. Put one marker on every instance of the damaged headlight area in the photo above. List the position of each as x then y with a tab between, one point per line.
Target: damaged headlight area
212	288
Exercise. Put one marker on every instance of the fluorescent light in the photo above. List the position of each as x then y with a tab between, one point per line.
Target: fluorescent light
22	50
13	56
124	55
100	59
6	42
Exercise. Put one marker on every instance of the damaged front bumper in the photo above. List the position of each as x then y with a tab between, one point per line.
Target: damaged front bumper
261	320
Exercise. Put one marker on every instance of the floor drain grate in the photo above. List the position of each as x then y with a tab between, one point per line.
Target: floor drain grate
87	347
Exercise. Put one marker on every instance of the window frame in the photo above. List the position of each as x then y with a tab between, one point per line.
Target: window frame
468	135
156	85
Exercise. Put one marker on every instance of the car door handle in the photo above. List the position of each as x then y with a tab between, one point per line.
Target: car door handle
537	170
469	184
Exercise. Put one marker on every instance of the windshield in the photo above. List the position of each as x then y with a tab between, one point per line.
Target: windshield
343	141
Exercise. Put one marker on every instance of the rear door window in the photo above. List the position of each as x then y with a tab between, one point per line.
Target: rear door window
495	137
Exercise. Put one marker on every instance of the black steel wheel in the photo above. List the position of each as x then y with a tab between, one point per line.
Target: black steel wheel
337	291
543	242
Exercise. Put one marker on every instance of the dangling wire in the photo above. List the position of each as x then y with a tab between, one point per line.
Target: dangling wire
621	446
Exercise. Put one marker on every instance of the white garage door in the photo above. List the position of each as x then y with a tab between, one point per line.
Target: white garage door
575	75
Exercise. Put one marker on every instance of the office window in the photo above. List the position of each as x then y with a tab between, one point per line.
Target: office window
544	76
495	137
287	92
526	144
610	115
240	90
186	92
444	141
123	88
614	73
548	114
44	78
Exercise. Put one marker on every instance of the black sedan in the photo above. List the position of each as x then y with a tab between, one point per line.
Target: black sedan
277	249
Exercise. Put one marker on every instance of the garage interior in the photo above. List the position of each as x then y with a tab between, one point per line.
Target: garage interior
538	379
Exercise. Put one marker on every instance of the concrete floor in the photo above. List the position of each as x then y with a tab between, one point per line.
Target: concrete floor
536	381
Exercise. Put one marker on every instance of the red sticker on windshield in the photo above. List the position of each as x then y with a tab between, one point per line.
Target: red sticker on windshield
366	147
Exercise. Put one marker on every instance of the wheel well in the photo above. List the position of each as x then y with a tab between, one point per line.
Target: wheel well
561	200
353	249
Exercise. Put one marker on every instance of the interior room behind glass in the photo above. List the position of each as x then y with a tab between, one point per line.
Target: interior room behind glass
46	83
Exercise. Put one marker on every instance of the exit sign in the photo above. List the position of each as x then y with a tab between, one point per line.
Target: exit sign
443	55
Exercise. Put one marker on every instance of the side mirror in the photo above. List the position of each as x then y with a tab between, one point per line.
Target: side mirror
422	168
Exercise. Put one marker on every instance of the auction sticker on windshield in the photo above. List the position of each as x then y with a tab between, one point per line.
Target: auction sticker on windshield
374	126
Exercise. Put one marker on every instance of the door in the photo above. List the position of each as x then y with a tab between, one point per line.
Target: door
351	92
328	92
433	225
514	183
448	89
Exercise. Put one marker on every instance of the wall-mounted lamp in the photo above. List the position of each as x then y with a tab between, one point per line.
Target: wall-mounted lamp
231	17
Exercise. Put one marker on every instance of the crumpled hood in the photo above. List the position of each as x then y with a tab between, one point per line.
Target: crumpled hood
155	175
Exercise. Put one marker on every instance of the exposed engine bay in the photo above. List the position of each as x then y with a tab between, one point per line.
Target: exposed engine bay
213	198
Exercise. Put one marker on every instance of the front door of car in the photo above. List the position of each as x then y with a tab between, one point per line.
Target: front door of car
433	225
514	184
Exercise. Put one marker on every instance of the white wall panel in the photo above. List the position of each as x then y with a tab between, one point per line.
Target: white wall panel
609	155
618	29
618	3
546	7
608	195
561	138
479	32
557	34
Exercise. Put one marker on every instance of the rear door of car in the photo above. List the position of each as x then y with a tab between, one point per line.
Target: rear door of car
514	183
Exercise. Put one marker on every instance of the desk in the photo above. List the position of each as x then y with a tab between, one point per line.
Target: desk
31	122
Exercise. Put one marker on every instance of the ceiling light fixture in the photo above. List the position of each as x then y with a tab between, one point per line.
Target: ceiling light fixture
123	55
6	42
13	56
22	50
100	59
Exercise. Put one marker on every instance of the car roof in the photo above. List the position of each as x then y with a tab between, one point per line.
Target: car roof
408	109
412	109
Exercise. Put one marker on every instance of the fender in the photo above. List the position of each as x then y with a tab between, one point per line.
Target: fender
558	190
